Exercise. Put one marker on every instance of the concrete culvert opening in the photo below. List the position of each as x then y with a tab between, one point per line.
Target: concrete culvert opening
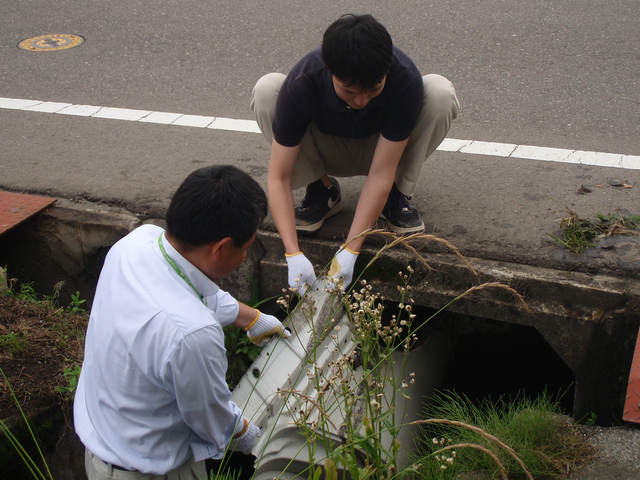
490	360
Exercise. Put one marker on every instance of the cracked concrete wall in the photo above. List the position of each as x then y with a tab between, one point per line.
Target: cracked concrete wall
63	244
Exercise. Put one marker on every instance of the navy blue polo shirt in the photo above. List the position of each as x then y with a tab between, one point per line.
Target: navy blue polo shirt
307	95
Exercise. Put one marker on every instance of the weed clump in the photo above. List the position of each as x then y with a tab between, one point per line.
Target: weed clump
485	437
579	234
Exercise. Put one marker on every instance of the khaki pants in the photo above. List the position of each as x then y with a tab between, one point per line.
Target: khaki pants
322	154
98	470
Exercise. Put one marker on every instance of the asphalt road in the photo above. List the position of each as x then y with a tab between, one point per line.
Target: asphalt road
561	74
548	73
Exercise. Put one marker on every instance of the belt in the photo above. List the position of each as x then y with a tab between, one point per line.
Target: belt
118	467
115	467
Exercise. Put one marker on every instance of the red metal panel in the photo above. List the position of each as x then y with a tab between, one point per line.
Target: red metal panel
632	404
15	208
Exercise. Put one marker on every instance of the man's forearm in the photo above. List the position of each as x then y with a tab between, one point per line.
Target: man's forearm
281	203
376	189
283	213
370	204
246	315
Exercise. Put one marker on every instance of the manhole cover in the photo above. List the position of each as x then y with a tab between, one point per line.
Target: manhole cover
45	43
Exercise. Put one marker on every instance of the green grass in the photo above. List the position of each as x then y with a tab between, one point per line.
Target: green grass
26	293
546	441
576	237
30	462
13	343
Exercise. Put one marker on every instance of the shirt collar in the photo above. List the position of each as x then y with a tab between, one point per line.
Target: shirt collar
335	103
205	286
330	95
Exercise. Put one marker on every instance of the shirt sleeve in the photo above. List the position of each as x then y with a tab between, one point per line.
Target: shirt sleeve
405	104
196	371
226	308
291	121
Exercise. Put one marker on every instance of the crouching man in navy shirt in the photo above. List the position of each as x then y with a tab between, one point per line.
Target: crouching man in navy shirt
357	105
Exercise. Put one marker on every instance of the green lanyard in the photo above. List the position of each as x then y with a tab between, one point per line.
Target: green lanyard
175	266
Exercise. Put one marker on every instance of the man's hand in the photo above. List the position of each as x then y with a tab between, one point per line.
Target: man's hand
263	328
341	270
247	439
301	274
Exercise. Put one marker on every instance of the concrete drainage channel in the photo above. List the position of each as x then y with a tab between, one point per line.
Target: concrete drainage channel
578	337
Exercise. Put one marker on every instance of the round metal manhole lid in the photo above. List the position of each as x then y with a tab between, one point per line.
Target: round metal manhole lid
47	43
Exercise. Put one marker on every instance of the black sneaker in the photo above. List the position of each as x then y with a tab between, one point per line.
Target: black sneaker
400	214
319	202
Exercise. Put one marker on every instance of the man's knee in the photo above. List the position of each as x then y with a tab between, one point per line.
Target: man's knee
265	92
440	94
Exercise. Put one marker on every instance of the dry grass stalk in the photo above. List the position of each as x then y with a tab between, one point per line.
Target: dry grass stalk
618	228
503	471
395	240
404	241
511	291
481	432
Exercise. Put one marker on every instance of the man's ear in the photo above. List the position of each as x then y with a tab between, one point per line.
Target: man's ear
219	249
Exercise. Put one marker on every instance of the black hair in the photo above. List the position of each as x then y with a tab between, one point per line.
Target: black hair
358	50
213	203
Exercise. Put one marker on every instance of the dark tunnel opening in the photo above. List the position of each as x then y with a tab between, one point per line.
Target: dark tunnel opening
494	360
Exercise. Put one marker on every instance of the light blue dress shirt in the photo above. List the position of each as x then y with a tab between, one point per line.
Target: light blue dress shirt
152	390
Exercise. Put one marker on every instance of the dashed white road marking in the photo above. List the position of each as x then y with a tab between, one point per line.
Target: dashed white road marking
526	152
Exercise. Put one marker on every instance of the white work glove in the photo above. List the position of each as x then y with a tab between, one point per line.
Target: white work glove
301	274
341	270
247	440
263	328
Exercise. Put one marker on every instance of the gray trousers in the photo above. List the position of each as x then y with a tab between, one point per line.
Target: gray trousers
322	154
98	470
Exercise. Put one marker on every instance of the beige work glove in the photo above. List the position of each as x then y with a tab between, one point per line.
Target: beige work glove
341	270
263	328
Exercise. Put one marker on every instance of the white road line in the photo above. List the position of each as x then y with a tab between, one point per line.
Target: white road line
476	147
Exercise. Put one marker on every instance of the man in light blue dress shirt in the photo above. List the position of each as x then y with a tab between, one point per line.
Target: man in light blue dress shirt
152	397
